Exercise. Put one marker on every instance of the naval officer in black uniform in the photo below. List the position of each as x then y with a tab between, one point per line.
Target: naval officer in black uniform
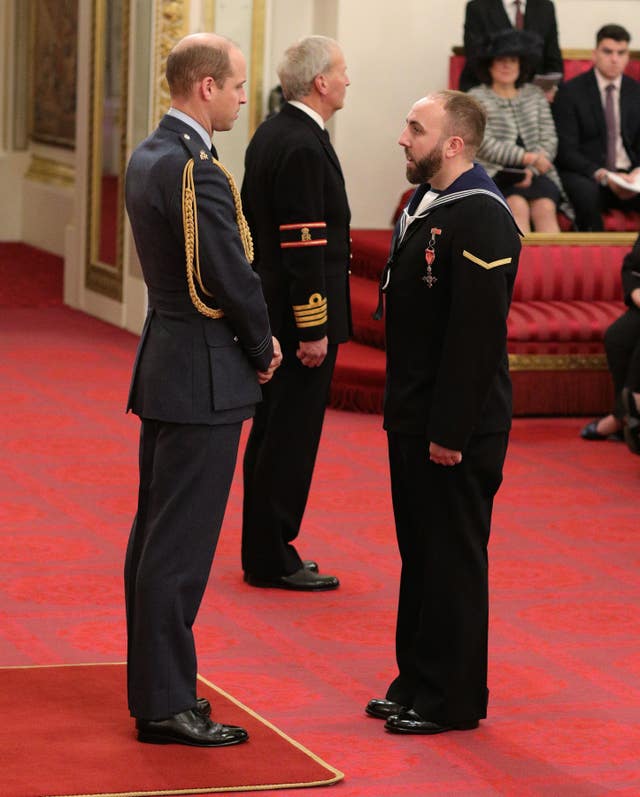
447	412
205	348
294	197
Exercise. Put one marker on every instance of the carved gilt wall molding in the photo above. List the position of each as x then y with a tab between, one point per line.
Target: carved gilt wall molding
171	24
51	172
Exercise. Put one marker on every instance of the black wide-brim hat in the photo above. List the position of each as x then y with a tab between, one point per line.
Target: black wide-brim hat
523	44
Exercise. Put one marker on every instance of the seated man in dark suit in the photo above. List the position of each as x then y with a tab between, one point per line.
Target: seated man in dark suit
597	116
622	345
484	17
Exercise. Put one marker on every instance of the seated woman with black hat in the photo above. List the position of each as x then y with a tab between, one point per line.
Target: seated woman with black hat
520	139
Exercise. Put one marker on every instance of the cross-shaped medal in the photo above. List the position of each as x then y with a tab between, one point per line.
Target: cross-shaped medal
429	278
430	256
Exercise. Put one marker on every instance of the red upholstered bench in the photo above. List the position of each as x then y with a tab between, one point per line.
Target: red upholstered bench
564	298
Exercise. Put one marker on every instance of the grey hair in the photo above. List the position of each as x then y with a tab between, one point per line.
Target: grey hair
302	62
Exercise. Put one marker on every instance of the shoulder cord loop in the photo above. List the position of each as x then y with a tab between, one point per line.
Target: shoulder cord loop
191	246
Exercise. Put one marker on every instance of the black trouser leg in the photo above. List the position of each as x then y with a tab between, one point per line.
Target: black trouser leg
622	344
279	462
586	197
185	477
443	518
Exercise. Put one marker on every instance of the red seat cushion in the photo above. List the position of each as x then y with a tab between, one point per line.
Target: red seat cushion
558	272
543	321
616	220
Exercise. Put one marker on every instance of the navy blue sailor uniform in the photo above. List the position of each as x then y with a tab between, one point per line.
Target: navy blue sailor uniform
194	381
448	287
294	197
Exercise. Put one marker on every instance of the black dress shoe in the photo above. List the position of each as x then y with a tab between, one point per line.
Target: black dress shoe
632	426
190	727
383	709
203	707
303	580
410	721
590	432
309	564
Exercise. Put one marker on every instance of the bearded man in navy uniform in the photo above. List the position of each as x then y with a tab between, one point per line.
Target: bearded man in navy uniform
294	197
205	348
447	412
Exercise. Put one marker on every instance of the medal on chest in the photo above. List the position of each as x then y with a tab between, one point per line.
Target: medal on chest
430	256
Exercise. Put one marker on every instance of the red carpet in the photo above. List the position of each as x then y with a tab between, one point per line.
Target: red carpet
29	277
564	713
93	749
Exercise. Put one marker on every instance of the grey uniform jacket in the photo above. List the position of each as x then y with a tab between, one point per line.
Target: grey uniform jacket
190	368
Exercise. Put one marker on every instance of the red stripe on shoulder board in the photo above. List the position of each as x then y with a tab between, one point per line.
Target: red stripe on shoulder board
300	226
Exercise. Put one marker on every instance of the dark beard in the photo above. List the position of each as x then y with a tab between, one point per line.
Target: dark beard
422	171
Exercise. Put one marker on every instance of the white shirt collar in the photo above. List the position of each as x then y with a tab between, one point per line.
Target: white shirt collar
309	111
603	82
189	120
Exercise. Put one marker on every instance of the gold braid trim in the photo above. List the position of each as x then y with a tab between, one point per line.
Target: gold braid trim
243	227
191	244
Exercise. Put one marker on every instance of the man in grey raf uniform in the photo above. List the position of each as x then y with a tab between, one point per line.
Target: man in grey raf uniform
205	348
296	205
447	412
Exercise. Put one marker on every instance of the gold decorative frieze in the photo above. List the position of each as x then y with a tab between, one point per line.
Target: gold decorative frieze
580	238
582	54
557	362
257	58
568	54
172	23
47	170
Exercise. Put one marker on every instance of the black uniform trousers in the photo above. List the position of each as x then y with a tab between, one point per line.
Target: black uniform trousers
443	517
278	463
590	200
185	478
622	344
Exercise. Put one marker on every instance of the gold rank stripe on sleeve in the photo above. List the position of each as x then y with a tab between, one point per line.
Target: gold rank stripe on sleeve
312	314
305	234
480	262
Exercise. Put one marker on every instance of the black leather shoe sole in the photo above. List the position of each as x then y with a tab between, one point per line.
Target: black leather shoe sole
408	722
190	728
383	709
302	580
227	735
